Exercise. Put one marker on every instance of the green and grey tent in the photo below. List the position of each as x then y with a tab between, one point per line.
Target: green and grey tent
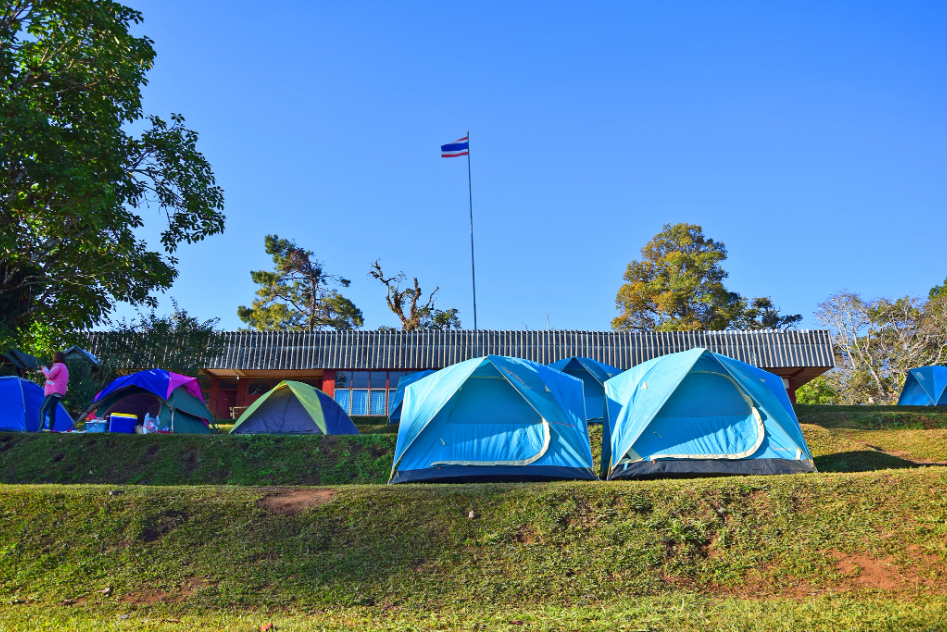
174	400
294	408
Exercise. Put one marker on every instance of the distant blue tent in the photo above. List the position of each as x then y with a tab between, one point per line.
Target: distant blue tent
699	413
493	419
925	386
19	407
394	406
593	374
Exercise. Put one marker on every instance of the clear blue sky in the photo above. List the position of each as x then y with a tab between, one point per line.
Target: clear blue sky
809	137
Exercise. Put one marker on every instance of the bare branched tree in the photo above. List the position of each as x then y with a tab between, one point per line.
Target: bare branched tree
878	341
407	306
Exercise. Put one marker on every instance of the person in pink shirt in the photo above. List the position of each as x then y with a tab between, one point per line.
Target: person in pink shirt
57	379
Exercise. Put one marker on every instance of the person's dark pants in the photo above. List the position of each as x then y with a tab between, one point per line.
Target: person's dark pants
47	411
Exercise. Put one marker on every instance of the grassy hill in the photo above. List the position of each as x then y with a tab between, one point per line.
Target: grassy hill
842	439
861	546
821	551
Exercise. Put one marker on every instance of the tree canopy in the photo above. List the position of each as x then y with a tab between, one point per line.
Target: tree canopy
679	285
406	303
73	177
297	295
877	341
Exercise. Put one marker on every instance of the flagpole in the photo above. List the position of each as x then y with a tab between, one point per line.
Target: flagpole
473	269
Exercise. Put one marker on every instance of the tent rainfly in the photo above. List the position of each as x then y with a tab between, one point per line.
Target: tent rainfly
593	374
394	407
925	386
494	418
698	413
20	400
174	400
294	408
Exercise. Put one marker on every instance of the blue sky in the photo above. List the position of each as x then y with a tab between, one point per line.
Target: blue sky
809	137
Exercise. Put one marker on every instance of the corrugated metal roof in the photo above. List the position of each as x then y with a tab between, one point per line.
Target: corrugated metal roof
437	349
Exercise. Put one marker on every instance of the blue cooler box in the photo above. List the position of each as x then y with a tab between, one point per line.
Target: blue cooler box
122	422
97	425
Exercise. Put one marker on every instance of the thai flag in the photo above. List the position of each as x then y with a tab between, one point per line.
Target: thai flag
454	149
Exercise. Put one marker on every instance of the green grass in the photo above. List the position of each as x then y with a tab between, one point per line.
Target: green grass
842	439
787	551
859	551
874	417
195	459
692	613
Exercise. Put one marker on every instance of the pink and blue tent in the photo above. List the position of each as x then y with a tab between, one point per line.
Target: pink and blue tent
174	400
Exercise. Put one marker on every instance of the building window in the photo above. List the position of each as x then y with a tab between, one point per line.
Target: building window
344	399
366	392
376	402
393	378
259	386
360	379
359	401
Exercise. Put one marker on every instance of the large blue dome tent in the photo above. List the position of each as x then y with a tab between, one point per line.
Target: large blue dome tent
20	400
593	374
925	386
698	413
394	407
493	418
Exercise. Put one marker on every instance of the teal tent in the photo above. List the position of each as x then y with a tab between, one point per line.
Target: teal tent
493	419
294	408
593	374
698	413
394	406
925	386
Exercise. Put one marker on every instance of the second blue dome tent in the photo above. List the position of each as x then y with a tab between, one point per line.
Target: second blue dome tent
494	418
699	413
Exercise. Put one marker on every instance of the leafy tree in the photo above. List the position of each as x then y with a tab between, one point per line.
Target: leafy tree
73	177
877	341
296	295
418	316
177	342
760	313
678	285
821	390
938	291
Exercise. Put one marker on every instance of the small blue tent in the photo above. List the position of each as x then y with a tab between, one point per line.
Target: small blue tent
698	413
493	419
925	386
394	406
19	407
593	374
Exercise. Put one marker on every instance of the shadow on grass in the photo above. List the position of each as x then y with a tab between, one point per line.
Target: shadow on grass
861	461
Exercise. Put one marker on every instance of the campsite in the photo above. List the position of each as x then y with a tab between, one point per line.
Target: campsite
473	317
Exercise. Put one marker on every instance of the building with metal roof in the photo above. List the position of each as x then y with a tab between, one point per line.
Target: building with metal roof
359	368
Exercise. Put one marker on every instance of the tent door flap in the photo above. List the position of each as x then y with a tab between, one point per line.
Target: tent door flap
547	436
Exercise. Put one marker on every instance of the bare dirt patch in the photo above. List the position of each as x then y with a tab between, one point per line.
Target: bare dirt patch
177	594
291	502
870	572
860	573
525	535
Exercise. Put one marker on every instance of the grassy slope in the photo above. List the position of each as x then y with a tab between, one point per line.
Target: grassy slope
861	551
842	439
875	541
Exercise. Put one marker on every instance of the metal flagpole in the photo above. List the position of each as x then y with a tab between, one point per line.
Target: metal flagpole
473	269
